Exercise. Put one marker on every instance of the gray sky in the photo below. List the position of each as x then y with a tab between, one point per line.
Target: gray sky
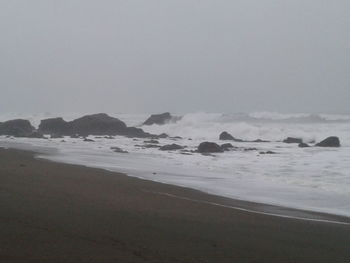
175	55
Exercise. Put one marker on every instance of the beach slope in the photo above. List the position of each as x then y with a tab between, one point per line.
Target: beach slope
51	212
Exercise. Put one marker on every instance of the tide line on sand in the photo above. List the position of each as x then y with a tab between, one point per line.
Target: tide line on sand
250	210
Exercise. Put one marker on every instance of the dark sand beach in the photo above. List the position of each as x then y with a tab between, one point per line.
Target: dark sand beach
51	212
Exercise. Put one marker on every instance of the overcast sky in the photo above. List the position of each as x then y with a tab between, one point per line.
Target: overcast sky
175	55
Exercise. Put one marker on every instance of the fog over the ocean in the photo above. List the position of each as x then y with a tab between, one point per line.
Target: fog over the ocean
174	55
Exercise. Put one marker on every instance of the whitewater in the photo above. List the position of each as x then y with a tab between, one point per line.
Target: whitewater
316	179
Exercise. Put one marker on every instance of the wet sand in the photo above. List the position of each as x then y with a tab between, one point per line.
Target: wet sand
51	212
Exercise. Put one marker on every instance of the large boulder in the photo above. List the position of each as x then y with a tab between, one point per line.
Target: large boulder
303	145
95	124
227	147
293	140
54	126
209	147
159	119
17	128
225	136
332	141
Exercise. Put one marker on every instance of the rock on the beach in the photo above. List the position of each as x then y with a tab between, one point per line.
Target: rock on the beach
209	147
293	140
36	134
227	147
162	136
303	145
54	126
171	147
332	141
225	136
160	119
118	150
17	128
267	152
95	124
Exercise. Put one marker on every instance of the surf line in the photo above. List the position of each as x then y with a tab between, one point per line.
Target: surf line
249	210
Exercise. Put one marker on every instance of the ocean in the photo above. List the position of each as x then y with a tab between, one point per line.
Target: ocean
316	179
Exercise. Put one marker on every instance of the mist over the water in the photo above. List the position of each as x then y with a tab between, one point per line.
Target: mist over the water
179	56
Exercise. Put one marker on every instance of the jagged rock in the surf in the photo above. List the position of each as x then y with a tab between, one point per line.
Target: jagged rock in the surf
162	136
225	136
303	145
260	140
171	147
227	147
88	140
152	141
118	150
293	140
209	147
133	132
332	141
267	152
16	128
95	124
160	119
250	149
36	135
54	126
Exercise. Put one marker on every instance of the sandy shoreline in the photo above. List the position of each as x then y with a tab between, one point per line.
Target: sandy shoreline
53	212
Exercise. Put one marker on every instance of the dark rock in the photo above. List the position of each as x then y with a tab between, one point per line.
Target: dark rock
209	147
332	141
96	124
146	146
36	134
225	136
227	147
56	126
159	119
118	150
56	136
303	145
171	147
267	152
88	140
293	140
259	140
250	149
152	141
135	132
109	137
162	136
17	128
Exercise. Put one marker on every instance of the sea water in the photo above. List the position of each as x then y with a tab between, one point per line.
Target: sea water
314	178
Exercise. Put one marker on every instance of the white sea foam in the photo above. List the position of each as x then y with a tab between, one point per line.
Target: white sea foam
311	178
